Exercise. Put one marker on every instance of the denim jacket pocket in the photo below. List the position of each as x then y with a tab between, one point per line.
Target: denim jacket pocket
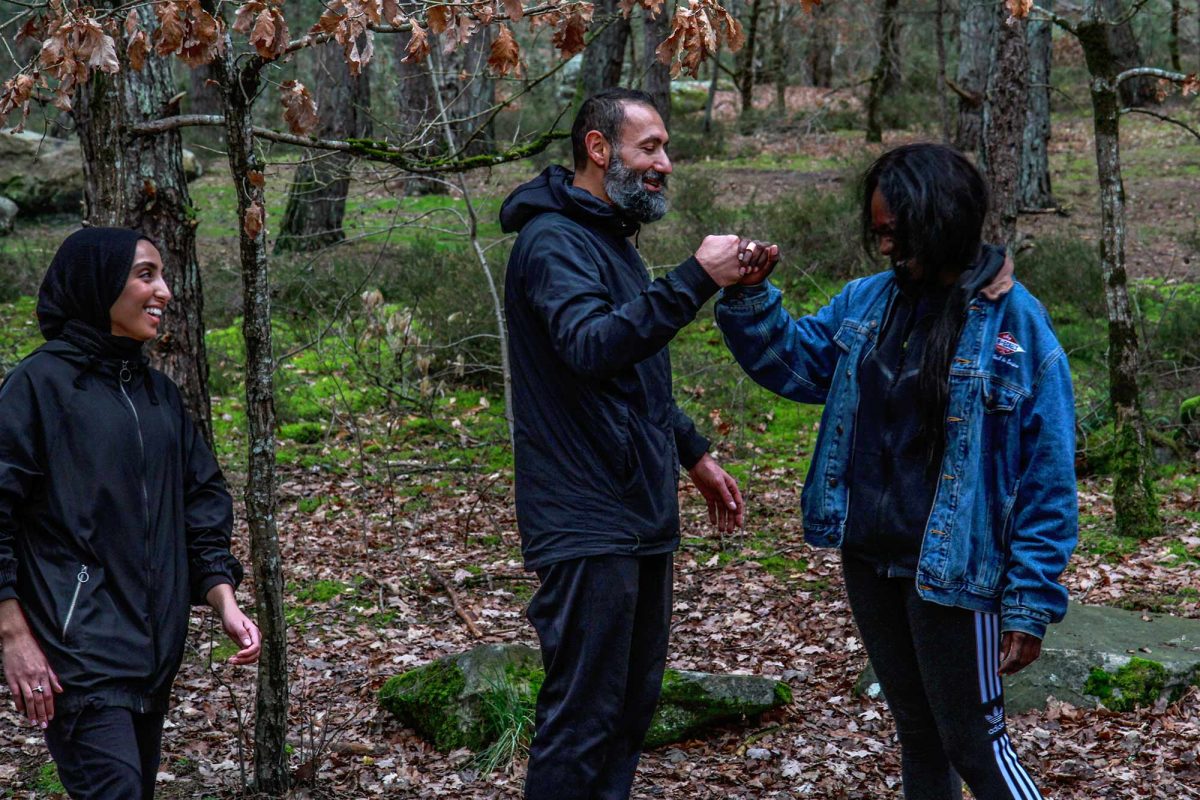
851	335
999	397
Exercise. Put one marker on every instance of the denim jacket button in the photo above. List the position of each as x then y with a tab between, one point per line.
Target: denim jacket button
833	482
839	429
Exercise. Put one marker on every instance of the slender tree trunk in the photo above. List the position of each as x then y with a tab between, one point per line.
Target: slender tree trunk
468	90
746	59
779	56
1127	54
943	102
1173	35
976	26
317	197
887	69
1133	489
271	709
820	47
712	91
139	183
604	58
657	80
1035	159
1004	127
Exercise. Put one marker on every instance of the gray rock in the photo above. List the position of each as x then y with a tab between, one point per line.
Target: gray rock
8	212
469	699
40	173
1101	656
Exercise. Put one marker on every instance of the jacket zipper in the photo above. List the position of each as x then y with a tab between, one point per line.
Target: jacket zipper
126	376
80	580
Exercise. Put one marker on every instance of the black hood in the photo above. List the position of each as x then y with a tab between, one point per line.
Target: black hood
86	277
552	192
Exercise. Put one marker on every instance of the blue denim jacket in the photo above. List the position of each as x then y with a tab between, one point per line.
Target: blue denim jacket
1005	513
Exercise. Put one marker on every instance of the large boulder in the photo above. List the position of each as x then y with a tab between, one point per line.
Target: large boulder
44	175
469	699
8	212
1102	656
39	173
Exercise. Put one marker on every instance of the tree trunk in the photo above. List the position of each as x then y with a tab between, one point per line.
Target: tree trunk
1173	35
1004	127
317	197
468	90
943	103
1127	54
1035	160
1133	489
887	67
271	709
781	16
975	29
712	91
139	183
657	79
820	47
746	60
604	57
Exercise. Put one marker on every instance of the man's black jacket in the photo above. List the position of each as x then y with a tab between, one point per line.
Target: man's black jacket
113	515
599	439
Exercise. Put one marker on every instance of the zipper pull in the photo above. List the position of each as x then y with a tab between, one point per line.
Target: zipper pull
126	373
82	577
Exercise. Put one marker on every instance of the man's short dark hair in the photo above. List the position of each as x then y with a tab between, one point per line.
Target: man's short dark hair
604	112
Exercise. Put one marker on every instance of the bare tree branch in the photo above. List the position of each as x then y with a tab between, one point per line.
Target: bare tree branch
1164	118
1039	13
369	149
1151	72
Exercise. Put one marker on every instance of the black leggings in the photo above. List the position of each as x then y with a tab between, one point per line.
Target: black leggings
937	668
106	753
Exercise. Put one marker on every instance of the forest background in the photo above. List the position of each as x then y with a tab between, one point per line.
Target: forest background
337	269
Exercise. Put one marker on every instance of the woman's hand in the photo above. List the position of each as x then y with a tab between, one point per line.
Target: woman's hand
238	627
720	491
30	679
1017	651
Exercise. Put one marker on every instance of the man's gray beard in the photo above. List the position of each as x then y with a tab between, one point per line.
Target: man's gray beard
625	189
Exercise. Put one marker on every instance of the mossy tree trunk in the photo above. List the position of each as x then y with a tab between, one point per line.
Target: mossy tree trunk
1133	490
746	59
976	25
138	182
1035	160
239	88
1004	127
887	67
820	46
604	58
1126	52
317	197
657	78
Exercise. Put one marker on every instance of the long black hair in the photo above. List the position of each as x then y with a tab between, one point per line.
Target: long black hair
939	200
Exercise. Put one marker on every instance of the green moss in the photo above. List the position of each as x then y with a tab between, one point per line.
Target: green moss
1138	683
47	781
302	432
783	694
321	591
425	699
782	567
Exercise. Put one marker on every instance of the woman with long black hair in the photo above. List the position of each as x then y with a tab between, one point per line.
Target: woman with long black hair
944	465
114	519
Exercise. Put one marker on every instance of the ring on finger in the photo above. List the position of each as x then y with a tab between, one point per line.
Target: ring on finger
39	689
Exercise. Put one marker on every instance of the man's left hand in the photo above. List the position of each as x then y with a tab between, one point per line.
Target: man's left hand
1017	651
720	490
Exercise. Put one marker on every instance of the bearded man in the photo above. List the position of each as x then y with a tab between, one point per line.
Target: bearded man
599	438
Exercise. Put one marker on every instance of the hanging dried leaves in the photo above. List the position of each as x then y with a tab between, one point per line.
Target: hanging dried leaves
252	220
350	23
1190	85
186	30
568	38
696	33
299	107
505	57
265	26
75	46
1018	9
418	45
137	46
514	10
16	94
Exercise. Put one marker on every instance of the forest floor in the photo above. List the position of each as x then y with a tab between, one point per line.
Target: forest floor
367	514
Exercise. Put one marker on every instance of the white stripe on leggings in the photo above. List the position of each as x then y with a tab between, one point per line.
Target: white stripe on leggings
987	655
981	658
1013	772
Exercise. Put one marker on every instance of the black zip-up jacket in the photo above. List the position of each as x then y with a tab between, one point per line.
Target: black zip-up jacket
113	516
599	438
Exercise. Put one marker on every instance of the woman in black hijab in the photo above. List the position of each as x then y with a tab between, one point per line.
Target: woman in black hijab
114	520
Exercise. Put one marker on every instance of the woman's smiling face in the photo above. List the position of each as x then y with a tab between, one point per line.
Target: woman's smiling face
137	313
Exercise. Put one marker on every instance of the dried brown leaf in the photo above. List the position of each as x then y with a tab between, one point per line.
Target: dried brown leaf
418	45
1019	8
252	220
439	18
299	107
514	10
505	56
569	37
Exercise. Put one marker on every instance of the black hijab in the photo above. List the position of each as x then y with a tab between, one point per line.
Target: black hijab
86	277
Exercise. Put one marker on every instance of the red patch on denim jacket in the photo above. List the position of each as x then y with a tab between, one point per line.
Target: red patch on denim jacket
1007	345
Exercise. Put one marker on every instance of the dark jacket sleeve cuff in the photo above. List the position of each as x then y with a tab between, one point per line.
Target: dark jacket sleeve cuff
213	573
206	585
697	282
8	592
692	446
